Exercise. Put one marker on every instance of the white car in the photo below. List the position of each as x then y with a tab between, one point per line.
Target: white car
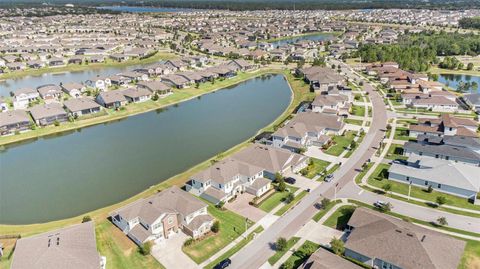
380	203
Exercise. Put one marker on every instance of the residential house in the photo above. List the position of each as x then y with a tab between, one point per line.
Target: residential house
307	129
321	78
50	92
135	76
23	97
14	120
383	241
100	83
178	64
119	80
324	259
443	149
442	175
111	99
46	114
473	100
445	125
163	214
137	95
73	247
176	81
155	86
242	65
331	104
81	106
73	89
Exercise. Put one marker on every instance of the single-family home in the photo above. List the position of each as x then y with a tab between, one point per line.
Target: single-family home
176	81
445	176
155	86
81	106
22	97
73	247
100	83
50	92
46	114
330	103
446	124
442	150
137	95
14	120
324	259
473	100
111	99
242	65
163	214
382	241
74	89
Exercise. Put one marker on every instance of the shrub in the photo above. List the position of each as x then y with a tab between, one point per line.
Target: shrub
288	264
282	186
56	123
387	187
441	200
442	221
215	227
86	218
188	242
337	246
281	244
289	198
325	202
430	189
220	204
145	248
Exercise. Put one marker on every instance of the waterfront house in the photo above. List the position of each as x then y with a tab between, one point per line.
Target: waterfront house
383	241
81	106
330	103
307	129
135	76
473	100
73	247
321	78
119	80
176	81
22	97
119	57
155	86
241	65
56	62
50	92
445	176
111	99
250	170
74	89
177	64
162	215
446	124
46	114
137	95
192	77
100	83
14	120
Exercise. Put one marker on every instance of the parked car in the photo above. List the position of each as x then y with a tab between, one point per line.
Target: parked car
380	203
329	178
223	264
290	180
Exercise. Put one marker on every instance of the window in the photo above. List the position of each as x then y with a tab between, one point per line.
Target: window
426	183
408	178
439	186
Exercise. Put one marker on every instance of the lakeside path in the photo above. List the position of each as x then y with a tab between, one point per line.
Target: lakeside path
300	92
178	96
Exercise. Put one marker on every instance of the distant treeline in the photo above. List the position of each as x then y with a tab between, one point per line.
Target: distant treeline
473	22
417	52
274	4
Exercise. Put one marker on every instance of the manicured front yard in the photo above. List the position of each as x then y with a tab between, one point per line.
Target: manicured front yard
340	143
231	226
315	167
275	199
353	121
324	211
236	248
303	253
358	110
330	171
395	152
286	207
401	134
380	177
471	255
279	254
339	219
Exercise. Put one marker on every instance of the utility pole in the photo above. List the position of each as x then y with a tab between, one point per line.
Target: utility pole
409	189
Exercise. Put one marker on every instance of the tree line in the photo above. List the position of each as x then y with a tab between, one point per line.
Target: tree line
473	22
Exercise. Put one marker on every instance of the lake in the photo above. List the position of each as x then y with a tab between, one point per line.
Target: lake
138	9
68	175
9	85
453	80
313	37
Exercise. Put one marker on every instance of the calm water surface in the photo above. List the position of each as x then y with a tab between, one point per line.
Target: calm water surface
68	175
453	80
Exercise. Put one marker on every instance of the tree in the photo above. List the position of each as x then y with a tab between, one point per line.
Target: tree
282	186
470	66
290	197
430	189
281	244
325	202
442	221
441	200
278	177
387	187
155	97
145	248
288	264
86	218
220	204
337	246
215	227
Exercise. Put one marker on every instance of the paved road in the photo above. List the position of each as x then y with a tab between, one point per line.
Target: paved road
256	253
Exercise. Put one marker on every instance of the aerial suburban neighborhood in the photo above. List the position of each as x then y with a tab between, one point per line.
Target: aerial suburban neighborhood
240	134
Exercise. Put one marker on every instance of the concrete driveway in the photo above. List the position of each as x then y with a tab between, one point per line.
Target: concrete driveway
169	252
318	233
303	182
241	207
317	153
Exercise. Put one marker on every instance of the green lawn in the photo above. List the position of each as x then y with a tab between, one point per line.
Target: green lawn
279	254
303	253
380	178
340	143
395	152
286	207
338	220
315	167
324	211
236	248
353	121
471	255
232	225
358	110
360	175
401	134
330	171
352	149
275	199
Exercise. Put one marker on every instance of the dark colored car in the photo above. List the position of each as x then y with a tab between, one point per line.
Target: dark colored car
223	264
290	180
